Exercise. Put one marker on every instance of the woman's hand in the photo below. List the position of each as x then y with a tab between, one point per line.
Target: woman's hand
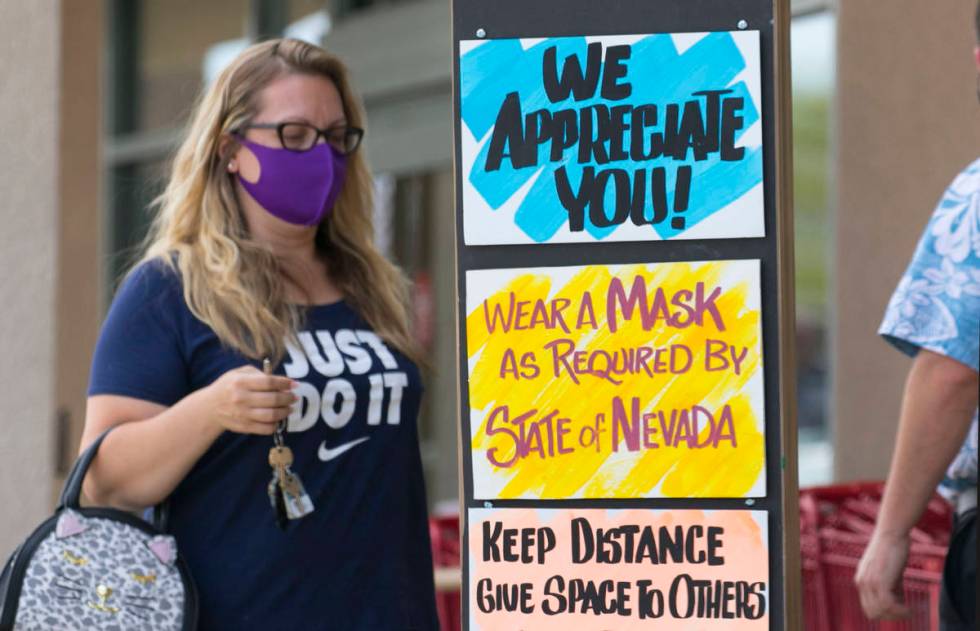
248	401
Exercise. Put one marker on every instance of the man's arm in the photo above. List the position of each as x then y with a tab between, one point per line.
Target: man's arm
937	410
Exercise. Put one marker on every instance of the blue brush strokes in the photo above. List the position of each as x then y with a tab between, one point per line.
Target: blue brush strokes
494	69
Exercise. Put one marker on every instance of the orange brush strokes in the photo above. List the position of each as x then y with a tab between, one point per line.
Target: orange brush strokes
744	550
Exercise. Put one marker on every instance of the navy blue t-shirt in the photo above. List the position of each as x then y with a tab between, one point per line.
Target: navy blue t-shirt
362	559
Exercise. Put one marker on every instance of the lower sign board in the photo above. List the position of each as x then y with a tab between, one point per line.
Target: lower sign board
597	569
616	381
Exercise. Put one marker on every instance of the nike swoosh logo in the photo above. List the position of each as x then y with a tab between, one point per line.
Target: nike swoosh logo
326	453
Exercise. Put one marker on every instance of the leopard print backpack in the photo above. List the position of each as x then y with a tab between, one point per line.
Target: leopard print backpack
96	569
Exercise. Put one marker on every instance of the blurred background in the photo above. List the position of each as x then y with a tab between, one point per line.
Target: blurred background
94	93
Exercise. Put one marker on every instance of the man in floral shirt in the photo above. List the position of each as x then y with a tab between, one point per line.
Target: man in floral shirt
934	315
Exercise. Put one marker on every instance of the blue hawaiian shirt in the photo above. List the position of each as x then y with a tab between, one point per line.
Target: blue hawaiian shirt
937	303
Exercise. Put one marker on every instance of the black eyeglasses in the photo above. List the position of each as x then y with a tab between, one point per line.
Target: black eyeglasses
302	136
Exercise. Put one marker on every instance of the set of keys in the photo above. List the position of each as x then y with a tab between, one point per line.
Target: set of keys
286	492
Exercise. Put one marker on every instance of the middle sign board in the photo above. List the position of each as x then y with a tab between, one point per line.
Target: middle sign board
616	381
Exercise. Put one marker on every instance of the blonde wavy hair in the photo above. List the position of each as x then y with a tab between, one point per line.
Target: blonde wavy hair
234	283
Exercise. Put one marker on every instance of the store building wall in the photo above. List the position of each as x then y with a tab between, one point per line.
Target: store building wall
81	260
29	77
907	121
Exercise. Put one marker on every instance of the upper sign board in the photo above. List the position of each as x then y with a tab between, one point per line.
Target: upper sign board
611	138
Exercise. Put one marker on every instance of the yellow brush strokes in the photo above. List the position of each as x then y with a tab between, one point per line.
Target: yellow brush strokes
680	471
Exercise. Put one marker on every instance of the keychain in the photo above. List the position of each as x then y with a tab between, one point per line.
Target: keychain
286	493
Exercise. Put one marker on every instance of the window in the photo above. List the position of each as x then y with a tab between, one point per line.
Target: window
155	71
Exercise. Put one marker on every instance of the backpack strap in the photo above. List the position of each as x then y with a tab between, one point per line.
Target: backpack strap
161	515
72	491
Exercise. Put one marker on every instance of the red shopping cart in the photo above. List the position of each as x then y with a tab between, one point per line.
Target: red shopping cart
835	526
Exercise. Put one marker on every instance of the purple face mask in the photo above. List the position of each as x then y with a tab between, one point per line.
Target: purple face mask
297	186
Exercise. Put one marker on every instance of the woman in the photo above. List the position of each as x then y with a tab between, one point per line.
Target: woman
262	248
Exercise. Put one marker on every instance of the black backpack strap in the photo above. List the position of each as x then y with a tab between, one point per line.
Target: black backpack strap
161	515
72	491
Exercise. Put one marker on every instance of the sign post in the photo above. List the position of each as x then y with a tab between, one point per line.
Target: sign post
625	315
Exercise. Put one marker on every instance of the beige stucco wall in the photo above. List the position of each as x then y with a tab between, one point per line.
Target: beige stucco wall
29	62
907	121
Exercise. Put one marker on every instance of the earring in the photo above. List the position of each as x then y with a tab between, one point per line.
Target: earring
231	167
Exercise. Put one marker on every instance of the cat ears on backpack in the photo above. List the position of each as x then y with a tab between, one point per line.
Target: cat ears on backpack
71	523
164	548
